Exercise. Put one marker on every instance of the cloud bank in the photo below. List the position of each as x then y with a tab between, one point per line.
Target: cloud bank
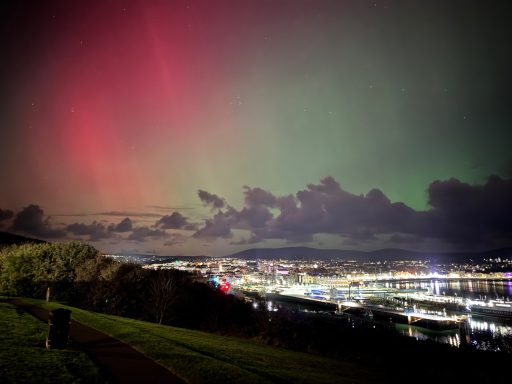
174	221
32	221
460	214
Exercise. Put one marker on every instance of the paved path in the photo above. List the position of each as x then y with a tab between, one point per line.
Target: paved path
121	362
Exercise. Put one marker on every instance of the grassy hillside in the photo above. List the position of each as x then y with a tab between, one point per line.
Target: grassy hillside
200	357
24	358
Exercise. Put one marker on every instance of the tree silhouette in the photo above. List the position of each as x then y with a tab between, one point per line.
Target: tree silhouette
163	292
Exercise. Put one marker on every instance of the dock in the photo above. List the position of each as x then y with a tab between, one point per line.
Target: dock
381	313
407	316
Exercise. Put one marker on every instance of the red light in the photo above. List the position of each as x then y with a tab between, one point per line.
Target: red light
225	287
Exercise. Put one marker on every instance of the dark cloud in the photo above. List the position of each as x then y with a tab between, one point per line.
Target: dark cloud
95	230
259	197
32	221
256	213
219	226
190	227
254	217
143	233
98	231
210	199
174	221
125	225
469	214
6	214
327	208
460	213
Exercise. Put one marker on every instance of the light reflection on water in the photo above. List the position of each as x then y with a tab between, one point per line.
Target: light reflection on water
471	289
451	337
490	335
480	333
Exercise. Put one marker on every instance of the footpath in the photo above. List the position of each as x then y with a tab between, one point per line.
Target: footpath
121	362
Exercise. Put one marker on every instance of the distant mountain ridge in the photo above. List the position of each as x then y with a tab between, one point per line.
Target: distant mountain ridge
7	238
307	253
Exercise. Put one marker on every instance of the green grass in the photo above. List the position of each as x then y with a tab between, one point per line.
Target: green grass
24	358
200	357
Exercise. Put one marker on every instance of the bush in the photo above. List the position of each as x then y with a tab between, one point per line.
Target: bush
28	269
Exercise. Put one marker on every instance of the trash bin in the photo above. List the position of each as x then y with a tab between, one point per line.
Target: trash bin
58	328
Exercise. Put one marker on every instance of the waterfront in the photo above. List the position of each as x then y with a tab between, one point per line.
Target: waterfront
481	332
439	292
476	331
465	288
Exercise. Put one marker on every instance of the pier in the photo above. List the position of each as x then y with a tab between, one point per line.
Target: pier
377	312
407	315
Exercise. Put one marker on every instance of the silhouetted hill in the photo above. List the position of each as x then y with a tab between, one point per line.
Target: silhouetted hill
7	238
306	253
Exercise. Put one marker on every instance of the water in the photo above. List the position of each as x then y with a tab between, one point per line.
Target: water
480	333
470	289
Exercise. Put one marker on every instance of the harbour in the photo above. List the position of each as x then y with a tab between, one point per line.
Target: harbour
476	314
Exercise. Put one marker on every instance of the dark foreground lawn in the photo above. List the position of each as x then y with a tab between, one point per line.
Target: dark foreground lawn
363	357
200	357
24	358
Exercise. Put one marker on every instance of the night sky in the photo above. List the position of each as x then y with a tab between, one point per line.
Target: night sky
207	127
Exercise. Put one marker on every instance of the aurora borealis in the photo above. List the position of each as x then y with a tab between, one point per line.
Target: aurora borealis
205	127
